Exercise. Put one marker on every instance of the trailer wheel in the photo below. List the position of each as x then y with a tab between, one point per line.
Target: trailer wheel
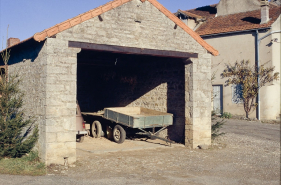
109	133
80	139
119	134
96	129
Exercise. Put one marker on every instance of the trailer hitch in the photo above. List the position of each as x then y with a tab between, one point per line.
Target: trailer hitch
151	135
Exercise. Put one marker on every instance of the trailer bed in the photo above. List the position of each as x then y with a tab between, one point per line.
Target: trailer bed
138	117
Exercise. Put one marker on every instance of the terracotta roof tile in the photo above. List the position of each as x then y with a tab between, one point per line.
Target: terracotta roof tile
237	22
189	14
231	23
40	36
78	19
205	11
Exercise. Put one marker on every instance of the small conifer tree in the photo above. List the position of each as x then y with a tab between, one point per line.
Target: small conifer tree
18	135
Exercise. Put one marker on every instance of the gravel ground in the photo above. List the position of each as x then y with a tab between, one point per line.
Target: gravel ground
248	154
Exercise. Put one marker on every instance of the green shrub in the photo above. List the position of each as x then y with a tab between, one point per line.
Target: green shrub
226	115
18	134
216	126
216	129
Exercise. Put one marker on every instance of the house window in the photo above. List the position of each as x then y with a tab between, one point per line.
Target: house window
237	93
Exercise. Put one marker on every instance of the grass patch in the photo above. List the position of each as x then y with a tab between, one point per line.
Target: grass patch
227	115
216	126
26	165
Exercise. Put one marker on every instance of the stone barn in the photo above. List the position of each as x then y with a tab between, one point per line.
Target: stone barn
124	53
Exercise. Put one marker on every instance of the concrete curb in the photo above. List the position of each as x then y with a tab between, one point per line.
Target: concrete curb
129	149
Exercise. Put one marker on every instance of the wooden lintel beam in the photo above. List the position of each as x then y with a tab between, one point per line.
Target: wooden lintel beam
131	50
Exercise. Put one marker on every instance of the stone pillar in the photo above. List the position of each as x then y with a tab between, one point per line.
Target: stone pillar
198	101
60	125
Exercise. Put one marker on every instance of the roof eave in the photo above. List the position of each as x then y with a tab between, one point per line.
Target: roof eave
40	36
233	32
23	41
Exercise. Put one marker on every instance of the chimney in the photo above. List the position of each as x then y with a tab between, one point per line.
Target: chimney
12	41
264	11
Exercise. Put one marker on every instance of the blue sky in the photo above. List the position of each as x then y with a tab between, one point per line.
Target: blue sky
26	17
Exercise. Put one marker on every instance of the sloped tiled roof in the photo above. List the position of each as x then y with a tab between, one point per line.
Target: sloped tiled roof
205	11
40	36
189	14
237	22
233	22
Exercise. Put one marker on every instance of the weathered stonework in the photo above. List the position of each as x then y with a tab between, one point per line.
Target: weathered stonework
180	87
198	101
30	63
61	101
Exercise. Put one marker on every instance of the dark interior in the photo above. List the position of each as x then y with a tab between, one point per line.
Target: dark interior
107	79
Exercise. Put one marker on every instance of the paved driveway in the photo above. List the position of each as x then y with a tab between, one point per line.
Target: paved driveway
248	154
270	132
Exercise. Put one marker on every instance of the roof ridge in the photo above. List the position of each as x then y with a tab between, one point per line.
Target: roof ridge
273	4
189	13
40	36
258	10
201	7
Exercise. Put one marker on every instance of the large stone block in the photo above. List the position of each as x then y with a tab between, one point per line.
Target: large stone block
54	129
51	137
58	153
66	136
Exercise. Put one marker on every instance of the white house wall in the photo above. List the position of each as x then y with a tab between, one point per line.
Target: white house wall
241	46
271	93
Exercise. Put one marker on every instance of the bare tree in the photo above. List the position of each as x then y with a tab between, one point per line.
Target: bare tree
241	73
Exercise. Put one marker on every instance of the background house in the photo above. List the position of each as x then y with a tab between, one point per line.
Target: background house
240	30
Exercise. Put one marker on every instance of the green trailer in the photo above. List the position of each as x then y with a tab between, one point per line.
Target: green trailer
137	118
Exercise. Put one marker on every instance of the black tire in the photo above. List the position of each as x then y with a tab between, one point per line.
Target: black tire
109	132
80	139
119	134
96	129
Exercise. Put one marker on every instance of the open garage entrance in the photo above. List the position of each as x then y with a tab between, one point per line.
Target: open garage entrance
111	79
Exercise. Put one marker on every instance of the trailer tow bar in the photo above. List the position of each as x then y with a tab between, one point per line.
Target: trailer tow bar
150	135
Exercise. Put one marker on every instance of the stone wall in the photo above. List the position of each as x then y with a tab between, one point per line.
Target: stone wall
165	81
61	102
134	24
198	101
48	72
30	62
